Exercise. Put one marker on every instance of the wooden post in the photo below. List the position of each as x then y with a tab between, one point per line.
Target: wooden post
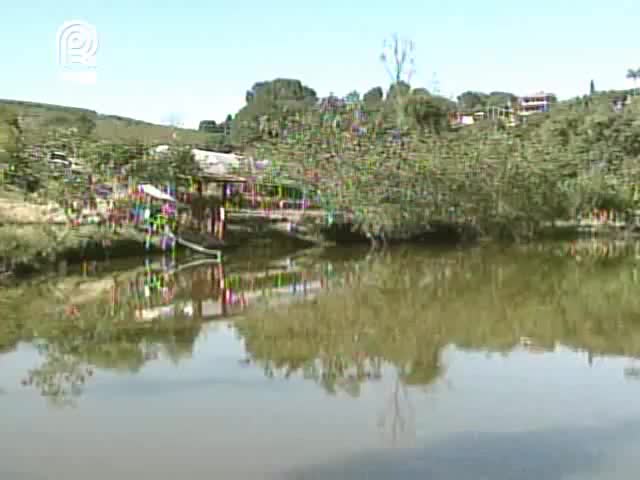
223	290
222	222
214	218
222	208
201	208
224	194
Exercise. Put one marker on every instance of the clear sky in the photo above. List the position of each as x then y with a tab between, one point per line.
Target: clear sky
196	58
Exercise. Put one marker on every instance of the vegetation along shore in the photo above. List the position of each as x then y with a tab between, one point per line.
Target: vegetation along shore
380	167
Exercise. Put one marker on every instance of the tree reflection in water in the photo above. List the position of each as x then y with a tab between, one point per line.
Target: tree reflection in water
61	377
403	307
398	417
103	333
395	310
69	362
108	330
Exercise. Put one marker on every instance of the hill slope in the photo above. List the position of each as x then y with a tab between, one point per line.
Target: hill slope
40	117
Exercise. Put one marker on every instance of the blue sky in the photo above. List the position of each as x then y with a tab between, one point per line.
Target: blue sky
196	59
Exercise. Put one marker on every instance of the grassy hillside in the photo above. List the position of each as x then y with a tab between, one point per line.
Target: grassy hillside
125	130
38	118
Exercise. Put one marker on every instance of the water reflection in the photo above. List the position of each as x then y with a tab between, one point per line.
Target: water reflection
401	307
448	355
530	455
397	419
406	306
121	321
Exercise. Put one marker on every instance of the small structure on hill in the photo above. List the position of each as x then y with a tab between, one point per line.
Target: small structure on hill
460	119
620	102
535	103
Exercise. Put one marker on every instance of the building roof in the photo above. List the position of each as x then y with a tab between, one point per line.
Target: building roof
214	177
216	164
156	193
208	156
537	94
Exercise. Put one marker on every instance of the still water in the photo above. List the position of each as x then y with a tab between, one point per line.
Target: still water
482	363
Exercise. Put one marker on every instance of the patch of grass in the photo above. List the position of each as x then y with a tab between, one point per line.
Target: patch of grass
38	118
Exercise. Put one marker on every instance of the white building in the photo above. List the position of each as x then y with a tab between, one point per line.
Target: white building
216	163
535	103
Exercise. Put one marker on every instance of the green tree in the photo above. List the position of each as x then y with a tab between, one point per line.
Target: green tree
23	170
470	100
208	126
269	104
427	113
500	100
352	97
9	132
86	124
421	92
373	97
397	90
218	142
161	170
592	88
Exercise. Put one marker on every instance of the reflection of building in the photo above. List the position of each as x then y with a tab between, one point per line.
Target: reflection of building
212	293
532	347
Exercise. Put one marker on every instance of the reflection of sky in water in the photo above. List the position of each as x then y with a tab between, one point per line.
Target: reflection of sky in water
520	415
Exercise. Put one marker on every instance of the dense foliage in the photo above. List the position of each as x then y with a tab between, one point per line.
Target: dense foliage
267	102
394	164
390	162
397	310
406	307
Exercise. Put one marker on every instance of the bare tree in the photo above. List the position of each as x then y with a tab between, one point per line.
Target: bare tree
398	417
397	57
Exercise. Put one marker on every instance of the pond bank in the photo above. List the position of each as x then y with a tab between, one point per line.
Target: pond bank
27	249
34	237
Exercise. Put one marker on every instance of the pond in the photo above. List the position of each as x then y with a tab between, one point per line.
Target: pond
478	363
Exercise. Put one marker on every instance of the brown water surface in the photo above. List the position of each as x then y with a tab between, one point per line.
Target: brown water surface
482	363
